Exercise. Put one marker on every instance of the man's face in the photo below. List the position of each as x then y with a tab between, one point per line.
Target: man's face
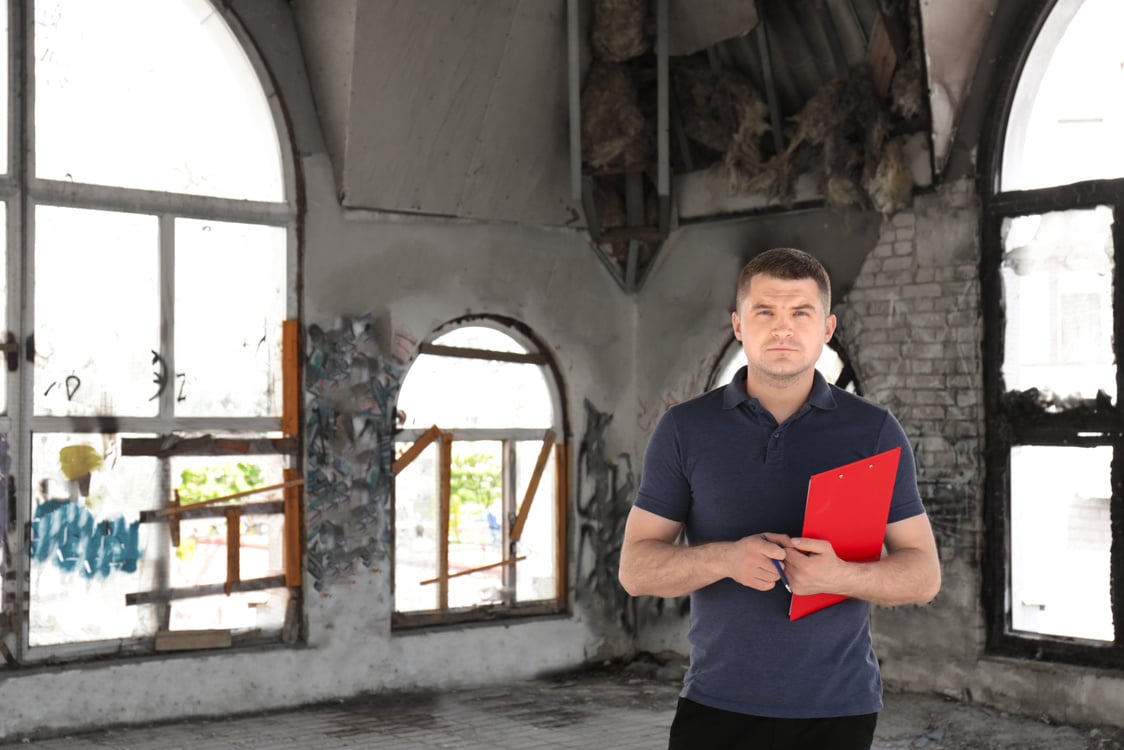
783	327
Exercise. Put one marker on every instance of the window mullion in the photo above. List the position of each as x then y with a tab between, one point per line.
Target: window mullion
509	512
444	504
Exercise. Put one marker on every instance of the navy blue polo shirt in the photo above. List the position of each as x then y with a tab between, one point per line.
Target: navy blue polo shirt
722	466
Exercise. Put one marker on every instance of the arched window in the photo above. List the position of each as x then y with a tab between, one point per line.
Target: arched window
150	268
1053	324
480	479
832	364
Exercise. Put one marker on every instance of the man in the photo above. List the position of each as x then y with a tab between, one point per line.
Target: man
731	469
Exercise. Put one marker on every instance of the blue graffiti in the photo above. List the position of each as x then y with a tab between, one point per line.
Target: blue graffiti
66	533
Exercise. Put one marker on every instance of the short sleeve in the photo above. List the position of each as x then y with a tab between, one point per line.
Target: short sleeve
664	488
906	502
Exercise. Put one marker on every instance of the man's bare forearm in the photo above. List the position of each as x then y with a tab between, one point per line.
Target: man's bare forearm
652	567
906	576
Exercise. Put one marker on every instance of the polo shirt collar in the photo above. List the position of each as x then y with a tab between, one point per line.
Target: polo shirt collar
734	392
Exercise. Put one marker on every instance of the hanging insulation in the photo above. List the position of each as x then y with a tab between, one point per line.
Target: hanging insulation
611	116
890	187
619	29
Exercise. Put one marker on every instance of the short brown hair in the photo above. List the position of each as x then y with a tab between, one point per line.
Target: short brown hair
789	264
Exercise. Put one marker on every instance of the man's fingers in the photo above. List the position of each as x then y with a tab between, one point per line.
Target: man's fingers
811	546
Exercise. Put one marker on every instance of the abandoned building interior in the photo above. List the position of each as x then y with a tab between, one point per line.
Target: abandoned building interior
478	248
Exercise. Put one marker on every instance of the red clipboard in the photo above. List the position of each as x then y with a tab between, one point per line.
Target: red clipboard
848	506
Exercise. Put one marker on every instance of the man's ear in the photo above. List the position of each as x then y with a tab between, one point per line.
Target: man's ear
736	323
829	328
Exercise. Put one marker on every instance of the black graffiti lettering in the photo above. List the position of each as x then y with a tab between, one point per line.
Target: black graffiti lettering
160	376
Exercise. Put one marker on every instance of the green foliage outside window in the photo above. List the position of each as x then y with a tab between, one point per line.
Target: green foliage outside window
197	485
475	483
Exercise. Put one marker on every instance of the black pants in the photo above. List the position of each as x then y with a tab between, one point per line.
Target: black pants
698	727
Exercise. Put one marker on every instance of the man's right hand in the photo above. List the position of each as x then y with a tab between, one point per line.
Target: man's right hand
751	560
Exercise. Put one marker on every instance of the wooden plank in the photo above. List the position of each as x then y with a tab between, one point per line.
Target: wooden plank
174	521
561	499
427	437
270	507
294	536
469	571
443	521
162	596
232	496
532	486
206	445
882	57
188	640
233	547
290	377
465	352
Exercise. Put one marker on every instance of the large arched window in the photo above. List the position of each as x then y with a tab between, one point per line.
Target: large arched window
480	479
1054	323
149	247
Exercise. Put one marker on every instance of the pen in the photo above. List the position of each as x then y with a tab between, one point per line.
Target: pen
784	578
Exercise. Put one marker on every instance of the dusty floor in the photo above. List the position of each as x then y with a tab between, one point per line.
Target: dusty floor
932	722
625	707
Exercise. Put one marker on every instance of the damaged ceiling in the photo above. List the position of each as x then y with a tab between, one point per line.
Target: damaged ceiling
464	108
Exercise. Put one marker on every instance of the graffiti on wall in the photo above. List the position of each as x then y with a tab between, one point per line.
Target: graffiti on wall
351	386
606	487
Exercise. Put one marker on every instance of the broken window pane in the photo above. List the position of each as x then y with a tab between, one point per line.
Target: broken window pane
1067	118
97	313
1060	541
1057	275
201	557
230	304
88	547
187	105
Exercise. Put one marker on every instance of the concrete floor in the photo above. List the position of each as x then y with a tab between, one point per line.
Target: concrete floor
626	708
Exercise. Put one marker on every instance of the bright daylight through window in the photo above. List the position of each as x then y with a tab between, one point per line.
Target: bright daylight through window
1054	327
157	285
479	481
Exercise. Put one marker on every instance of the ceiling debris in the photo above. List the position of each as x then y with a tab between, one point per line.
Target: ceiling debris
618	29
614	130
822	90
619	138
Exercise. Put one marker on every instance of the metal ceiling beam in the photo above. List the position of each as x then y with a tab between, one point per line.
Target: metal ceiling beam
573	45
775	118
833	41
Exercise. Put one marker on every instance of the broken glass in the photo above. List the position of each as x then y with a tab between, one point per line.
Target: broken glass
1057	275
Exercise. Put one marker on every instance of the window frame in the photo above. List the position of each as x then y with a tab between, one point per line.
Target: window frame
539	354
23	192
1012	418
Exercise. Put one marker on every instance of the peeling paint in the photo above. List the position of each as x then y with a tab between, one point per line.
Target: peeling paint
351	387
